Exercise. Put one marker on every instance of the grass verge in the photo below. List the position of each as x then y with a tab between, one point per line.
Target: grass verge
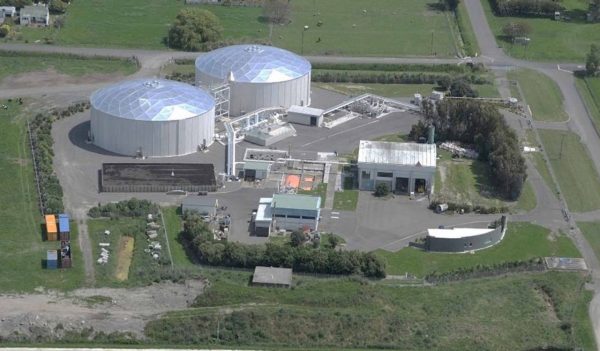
320	191
14	64
589	90
591	231
542	95
22	248
517	312
523	241
345	200
573	168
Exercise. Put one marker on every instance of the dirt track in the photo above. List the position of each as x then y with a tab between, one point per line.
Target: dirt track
105	310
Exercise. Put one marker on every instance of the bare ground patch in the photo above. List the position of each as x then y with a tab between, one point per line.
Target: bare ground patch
51	314
51	77
124	258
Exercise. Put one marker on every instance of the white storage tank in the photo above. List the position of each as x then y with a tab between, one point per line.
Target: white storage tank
259	76
152	118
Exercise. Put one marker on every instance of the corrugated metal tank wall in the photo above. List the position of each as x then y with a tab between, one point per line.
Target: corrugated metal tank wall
156	138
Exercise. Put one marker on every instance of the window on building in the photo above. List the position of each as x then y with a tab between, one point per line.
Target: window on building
279	216
293	216
366	174
385	174
308	217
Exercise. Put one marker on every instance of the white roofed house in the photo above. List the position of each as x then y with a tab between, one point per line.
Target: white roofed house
34	14
404	167
7	11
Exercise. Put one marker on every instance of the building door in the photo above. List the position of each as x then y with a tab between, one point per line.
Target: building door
313	120
402	185
420	186
249	175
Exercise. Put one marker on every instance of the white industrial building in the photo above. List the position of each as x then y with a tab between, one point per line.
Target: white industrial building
152	118
258	76
405	167
288	212
305	115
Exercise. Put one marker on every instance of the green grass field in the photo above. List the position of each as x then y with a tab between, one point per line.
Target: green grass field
589	89
542	167
387	28
471	47
22	249
591	231
542	95
174	227
139	23
345	200
16	64
550	40
469	182
515	312
523	241
574	170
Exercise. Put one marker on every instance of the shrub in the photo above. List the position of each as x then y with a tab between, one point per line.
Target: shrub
4	30
192	28
381	190
127	208
536	8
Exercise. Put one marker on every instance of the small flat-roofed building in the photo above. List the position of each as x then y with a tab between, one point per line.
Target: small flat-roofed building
7	11
34	14
305	115
201	204
288	212
256	170
403	167
465	239
272	276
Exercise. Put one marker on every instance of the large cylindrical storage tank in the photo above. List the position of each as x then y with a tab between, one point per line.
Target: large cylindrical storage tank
152	118
259	76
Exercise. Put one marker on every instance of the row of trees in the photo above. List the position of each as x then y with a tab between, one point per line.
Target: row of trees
51	192
592	62
482	125
392	78
302	258
128	208
541	8
55	6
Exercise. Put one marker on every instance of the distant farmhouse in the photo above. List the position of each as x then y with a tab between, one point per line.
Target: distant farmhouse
34	15
7	11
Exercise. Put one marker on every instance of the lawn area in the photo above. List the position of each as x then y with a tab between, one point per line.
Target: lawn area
468	182
542	167
527	201
13	64
523	241
397	90
174	227
22	248
143	269
388	28
470	45
573	168
138	23
321	191
345	200
591	231
550	40
542	95
514	312
589	89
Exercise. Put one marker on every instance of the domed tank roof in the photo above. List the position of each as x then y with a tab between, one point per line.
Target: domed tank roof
152	100
253	64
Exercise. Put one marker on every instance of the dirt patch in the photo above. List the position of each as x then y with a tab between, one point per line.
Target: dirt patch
124	258
51	77
50	315
544	295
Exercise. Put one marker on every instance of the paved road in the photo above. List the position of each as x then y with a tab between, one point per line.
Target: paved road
579	121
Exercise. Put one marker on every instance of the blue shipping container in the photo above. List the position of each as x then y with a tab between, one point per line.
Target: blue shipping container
63	223
51	264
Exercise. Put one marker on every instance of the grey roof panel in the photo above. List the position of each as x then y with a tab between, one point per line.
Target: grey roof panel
152	100
253	64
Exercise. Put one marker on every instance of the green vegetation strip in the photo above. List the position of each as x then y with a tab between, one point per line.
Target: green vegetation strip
471	46
71	65
522	242
527	201
542	95
591	231
573	168
517	312
550	40
589	89
321	191
22	249
345	200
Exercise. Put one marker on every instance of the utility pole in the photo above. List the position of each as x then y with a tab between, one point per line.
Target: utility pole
302	43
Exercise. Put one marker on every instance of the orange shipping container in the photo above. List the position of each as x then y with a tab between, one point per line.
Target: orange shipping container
51	224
